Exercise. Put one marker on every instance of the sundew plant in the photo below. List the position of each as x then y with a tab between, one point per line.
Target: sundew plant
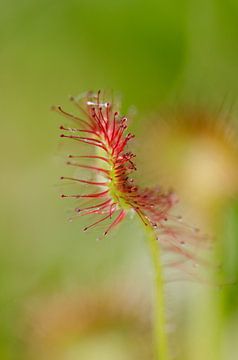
109	166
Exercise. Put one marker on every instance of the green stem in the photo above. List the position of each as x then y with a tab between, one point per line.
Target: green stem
160	333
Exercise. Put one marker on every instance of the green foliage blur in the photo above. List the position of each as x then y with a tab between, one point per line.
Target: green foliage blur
156	54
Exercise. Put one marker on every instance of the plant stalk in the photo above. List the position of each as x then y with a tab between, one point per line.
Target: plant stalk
160	333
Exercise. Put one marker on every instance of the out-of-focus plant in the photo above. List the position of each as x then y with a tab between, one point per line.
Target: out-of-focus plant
201	148
106	324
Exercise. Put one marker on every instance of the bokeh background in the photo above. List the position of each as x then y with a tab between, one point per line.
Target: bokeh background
63	295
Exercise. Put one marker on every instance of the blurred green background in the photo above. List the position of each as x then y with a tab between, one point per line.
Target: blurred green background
156	54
